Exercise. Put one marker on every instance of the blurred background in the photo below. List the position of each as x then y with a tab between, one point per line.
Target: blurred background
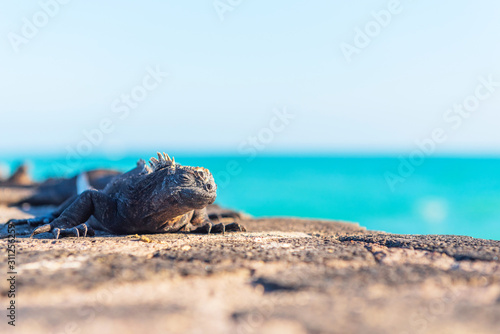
380	112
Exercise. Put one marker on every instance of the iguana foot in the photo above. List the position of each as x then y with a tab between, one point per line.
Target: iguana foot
62	230
235	227
224	216
219	228
81	230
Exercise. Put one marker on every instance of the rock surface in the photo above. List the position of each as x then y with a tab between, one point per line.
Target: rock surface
282	276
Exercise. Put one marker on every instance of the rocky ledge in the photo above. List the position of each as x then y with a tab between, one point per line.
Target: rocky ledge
282	275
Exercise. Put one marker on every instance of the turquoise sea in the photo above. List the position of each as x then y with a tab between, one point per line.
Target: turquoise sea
441	196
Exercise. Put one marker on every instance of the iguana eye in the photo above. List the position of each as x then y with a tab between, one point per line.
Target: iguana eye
186	179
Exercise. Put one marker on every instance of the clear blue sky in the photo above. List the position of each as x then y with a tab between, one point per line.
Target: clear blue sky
226	76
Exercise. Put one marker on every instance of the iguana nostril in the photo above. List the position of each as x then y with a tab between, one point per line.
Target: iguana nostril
209	186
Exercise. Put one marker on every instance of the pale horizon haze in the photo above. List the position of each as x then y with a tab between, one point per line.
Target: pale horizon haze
231	68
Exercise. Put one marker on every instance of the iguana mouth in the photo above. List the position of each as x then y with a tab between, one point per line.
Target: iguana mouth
210	198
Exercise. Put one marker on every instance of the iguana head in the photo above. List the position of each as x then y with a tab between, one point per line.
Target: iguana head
188	187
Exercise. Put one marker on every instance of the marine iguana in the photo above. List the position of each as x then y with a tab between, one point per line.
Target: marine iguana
160	198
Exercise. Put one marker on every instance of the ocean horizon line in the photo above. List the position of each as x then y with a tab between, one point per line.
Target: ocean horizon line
27	155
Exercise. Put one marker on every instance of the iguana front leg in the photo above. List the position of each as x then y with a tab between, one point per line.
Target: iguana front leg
205	226
72	221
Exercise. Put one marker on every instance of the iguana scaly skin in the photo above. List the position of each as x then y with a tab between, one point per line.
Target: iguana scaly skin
160	198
